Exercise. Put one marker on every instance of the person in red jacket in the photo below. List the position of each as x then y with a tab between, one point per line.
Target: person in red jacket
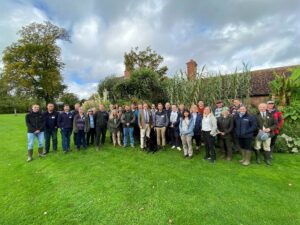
279	118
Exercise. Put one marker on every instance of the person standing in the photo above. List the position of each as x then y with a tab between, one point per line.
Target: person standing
225	127
101	119
145	124
174	128
50	132
65	123
201	107
136	129
168	132
219	109
186	129
90	137
197	118
161	122
280	120
209	131
75	112
244	127
266	125
35	122
81	126
128	120
114	126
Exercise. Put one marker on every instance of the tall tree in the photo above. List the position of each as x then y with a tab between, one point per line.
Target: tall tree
33	65
148	58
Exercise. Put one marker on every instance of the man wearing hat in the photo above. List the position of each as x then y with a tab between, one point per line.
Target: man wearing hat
219	108
266	124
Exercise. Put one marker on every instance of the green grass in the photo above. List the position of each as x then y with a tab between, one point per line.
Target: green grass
117	186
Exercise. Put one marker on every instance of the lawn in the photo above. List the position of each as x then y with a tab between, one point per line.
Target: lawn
118	186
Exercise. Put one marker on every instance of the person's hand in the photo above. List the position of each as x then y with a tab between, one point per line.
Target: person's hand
37	131
222	133
128	124
267	130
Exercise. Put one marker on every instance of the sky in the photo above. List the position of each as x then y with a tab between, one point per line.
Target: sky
218	34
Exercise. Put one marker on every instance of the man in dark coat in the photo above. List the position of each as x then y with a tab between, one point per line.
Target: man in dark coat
51	117
101	120
65	123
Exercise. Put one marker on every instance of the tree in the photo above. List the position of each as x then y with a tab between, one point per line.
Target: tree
108	84
70	99
33	65
148	58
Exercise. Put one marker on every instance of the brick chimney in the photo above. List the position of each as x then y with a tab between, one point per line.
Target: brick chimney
191	70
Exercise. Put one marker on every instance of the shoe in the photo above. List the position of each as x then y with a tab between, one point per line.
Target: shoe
212	161
247	158
190	157
173	147
178	148
267	158
132	146
30	153
185	156
257	156
243	155
124	146
41	154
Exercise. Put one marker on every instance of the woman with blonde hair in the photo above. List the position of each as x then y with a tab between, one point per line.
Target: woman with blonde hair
114	124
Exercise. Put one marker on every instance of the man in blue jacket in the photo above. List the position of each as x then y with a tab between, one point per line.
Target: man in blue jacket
51	117
65	123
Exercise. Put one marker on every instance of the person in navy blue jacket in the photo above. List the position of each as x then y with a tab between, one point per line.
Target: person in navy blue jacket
197	129
51	125
174	128
65	123
245	126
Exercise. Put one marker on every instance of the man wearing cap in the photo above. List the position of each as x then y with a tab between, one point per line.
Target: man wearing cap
266	124
280	120
219	108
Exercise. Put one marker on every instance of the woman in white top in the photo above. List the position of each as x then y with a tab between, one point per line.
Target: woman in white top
209	131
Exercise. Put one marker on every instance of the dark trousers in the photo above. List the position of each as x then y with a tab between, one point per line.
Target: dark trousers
100	131
174	136
226	146
50	134
80	139
209	145
197	139
168	135
90	136
74	138
136	132
66	136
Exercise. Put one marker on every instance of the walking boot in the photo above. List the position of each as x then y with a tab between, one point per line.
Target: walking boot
243	155
41	154
30	153
267	158
247	158
257	156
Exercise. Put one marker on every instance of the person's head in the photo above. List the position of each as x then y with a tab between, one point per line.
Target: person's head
219	104
120	108
243	110
270	105
200	104
50	107
94	110
114	113
262	107
111	106
80	110
76	106
145	106
90	112
225	112
207	110
236	102
66	107
101	107
133	106
181	107
167	105
127	108
35	108
160	107
174	108
186	114
194	109
140	106
153	106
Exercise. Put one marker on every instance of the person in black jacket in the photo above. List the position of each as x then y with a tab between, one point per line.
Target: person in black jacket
244	127
225	127
35	123
51	117
101	119
65	123
75	112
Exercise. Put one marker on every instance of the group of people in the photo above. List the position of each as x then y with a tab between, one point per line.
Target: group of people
231	128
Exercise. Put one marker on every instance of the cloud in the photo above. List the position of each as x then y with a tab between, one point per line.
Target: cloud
219	34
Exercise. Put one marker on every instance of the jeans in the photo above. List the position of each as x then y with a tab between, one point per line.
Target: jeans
50	133
100	131
126	131
80	139
209	145
30	138
66	136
